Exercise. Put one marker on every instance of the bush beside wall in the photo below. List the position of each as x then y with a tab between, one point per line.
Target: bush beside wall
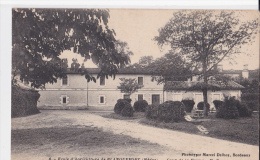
189	104
252	100
244	110
121	103
151	112
218	104
139	106
169	111
200	106
229	110
24	102
127	111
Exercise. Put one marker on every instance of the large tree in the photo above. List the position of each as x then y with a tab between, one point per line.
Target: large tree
206	37
170	67
39	36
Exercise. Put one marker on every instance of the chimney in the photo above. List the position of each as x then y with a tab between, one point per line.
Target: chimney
220	67
245	73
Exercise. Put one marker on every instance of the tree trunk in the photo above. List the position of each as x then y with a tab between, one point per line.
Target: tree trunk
205	90
205	100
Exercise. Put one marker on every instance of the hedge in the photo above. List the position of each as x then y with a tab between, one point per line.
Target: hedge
24	102
218	104
121	103
244	110
229	110
252	100
127	111
151	112
171	111
139	106
189	104
200	106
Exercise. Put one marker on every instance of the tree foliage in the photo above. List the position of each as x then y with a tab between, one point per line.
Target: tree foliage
170	67
129	85
206	37
39	36
146	60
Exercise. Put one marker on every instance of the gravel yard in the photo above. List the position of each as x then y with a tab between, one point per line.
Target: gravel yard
80	133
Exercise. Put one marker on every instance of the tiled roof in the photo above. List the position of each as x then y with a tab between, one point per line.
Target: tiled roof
138	70
231	72
192	85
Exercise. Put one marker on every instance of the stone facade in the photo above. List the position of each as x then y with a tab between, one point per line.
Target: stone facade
74	92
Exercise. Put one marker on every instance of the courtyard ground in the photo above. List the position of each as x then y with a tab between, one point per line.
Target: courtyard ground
53	134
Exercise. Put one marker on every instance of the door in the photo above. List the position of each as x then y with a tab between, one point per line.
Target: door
156	99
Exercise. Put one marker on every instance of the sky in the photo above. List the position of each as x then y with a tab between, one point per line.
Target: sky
138	27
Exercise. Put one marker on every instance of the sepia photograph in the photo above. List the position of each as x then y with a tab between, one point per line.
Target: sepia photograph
134	84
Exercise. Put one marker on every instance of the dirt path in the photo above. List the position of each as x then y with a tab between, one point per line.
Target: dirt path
179	142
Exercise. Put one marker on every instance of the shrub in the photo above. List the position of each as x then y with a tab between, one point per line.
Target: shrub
139	106
249	96
171	111
252	100
229	110
127	111
189	104
200	106
24	102
244	110
151	111
253	105
121	103
218	104
128	100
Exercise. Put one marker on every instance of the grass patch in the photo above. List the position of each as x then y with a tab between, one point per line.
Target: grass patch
79	141
243	129
137	115
179	126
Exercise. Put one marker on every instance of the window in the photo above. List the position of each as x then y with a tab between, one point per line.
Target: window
140	97
102	80
64	100
126	96
65	81
140	81
101	99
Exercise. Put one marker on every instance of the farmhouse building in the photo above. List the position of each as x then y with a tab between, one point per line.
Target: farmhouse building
75	92
238	74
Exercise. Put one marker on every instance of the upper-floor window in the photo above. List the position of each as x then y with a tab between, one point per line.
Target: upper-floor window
102	80
140	80
65	80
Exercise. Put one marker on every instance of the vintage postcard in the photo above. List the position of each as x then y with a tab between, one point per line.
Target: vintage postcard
134	84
